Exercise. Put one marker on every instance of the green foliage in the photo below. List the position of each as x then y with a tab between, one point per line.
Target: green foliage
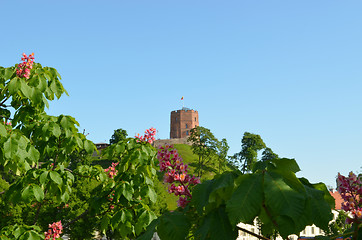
47	173
208	149
118	135
248	156
269	192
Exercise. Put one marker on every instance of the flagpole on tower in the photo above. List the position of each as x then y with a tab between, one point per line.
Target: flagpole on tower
182	100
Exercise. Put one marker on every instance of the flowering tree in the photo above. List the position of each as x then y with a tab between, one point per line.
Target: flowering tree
269	191
36	152
350	188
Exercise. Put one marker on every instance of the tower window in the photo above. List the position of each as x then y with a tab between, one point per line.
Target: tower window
195	119
187	133
186	125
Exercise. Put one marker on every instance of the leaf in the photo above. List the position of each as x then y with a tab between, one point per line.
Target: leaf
142	222
223	187
200	195
152	194
65	197
8	73
38	193
280	198
320	209
246	201
56	130
127	191
215	226
3	131
43	177
11	146
55	177
104	223
285	164
88	146
286	226
14	86
26	90
173	225
27	193
150	231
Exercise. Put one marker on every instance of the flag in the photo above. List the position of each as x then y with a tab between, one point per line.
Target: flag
182	98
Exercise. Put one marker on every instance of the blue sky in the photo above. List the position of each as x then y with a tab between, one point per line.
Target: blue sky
289	71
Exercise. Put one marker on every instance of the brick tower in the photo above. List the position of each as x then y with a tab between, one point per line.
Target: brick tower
182	121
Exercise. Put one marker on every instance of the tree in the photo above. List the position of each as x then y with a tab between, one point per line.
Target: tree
42	187
269	191
247	157
207	147
118	135
222	154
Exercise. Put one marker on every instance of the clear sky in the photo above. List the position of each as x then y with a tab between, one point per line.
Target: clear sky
289	71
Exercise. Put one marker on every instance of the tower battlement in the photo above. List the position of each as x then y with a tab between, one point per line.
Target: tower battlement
182	121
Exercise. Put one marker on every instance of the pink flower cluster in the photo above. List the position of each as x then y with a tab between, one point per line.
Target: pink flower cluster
54	231
24	67
350	189
176	174
111	171
148	137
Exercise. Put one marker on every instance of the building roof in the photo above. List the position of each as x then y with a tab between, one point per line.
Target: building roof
338	199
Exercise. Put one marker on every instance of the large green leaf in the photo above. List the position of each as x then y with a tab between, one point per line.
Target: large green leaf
223	187
286	226
286	164
280	198
246	201
173	225
321	210
200	195
216	225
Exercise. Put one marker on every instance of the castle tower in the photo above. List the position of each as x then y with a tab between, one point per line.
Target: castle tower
182	121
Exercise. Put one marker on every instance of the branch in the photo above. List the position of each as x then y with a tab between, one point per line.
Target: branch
251	233
76	219
39	207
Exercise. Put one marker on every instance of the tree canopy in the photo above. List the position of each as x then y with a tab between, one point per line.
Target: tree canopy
118	135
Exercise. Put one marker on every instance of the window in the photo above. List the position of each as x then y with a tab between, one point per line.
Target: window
187	133
176	119
186	125
312	230
195	119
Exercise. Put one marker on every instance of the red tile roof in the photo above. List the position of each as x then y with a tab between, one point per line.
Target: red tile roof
337	198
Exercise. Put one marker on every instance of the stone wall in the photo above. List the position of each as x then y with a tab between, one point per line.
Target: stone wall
172	141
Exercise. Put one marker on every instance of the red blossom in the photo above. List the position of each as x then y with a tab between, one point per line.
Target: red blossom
350	189
55	229
23	69
148	137
176	174
111	171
